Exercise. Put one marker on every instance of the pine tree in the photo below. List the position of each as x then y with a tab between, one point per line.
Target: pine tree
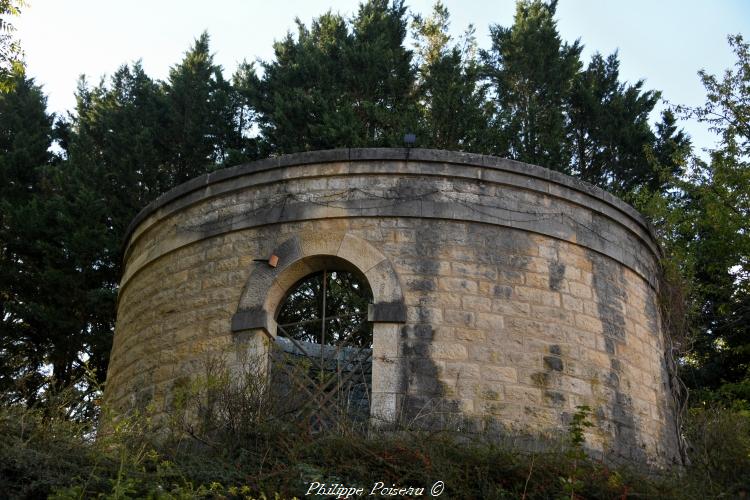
671	153
380	74
531	72
201	124
339	83
609	131
302	99
40	292
452	103
25	136
117	137
241	145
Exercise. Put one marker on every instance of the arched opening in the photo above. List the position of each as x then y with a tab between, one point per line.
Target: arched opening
322	361
301	255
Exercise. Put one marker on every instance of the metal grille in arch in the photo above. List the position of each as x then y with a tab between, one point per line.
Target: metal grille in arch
322	355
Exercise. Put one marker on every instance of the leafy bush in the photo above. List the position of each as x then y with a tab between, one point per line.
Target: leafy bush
224	439
40	452
720	449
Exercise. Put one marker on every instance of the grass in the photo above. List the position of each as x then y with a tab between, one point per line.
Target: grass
225	439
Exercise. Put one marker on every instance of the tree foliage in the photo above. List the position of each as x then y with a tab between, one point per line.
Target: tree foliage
339	83
531	71
202	114
341	304
25	136
716	235
56	309
69	186
451	97
609	131
11	55
64	215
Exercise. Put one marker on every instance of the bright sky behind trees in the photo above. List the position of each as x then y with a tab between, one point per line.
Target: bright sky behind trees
664	42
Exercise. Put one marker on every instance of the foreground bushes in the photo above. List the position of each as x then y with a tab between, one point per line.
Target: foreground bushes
720	450
42	456
225	439
40	452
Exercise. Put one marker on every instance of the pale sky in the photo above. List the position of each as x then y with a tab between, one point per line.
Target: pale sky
664	42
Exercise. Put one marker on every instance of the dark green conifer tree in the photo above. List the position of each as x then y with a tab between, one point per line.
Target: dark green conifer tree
117	136
609	132
671	153
452	102
202	108
531	72
25	136
54	310
339	83
380	73
243	144
302	99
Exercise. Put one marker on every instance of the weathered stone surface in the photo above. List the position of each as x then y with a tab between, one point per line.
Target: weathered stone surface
387	312
501	290
250	320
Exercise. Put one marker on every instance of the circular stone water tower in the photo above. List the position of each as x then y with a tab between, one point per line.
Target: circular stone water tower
504	292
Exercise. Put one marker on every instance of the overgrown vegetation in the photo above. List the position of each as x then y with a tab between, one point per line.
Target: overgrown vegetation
225	438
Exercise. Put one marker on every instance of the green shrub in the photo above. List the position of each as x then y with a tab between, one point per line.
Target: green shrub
42	448
720	449
224	439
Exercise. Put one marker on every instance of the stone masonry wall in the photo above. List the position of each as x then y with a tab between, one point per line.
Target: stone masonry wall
524	293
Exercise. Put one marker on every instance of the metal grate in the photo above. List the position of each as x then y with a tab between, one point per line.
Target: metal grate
323	351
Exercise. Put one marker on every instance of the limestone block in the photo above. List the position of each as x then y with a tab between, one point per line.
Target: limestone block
458	285
505	374
491	323
448	351
458	317
537	296
476	303
361	254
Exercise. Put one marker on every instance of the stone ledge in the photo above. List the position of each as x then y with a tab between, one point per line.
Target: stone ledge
251	319
380	154
565	229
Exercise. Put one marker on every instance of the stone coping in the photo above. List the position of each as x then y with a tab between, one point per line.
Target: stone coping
389	154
